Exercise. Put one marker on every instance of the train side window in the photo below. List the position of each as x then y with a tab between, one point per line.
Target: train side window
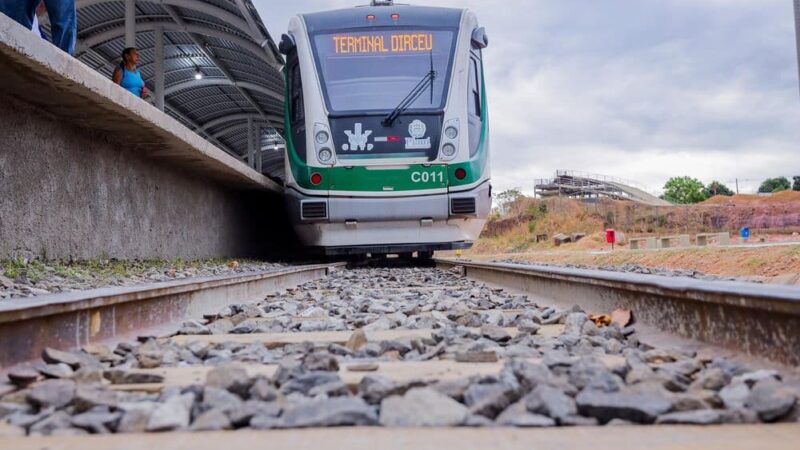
475	115
296	94
475	107
297	116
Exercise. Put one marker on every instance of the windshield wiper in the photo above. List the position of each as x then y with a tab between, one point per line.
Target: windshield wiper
412	96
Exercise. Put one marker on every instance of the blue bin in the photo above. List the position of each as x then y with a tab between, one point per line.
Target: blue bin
745	233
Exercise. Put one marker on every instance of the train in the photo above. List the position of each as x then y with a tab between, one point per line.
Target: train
386	130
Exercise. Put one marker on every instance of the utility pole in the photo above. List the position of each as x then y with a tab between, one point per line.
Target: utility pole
797	33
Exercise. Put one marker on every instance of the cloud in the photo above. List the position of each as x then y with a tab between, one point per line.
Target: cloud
636	89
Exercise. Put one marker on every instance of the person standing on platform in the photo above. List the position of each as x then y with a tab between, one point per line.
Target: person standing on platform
128	76
63	19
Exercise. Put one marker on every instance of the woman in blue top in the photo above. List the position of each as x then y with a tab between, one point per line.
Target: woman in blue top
128	76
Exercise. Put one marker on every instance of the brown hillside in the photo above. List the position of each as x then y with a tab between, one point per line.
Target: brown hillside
527	218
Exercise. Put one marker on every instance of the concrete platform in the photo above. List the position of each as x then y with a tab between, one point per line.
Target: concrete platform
88	170
744	437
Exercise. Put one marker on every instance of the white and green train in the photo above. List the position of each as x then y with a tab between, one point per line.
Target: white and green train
387	130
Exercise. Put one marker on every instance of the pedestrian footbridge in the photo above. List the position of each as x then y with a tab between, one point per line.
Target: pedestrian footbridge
580	185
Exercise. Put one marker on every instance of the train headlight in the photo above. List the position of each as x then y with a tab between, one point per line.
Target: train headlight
322	137
448	150
325	155
451	132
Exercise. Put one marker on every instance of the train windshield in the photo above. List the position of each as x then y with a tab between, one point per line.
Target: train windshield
374	71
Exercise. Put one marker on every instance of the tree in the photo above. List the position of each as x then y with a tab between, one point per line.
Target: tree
796	186
771	185
507	198
684	190
717	188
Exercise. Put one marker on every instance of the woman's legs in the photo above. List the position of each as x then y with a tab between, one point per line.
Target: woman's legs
63	22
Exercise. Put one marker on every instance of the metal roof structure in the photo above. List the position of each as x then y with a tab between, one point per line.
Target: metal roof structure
211	64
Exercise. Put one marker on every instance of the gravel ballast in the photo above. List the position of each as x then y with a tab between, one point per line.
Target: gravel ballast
585	376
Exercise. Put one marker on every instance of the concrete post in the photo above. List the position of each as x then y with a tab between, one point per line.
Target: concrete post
130	23
250	143
159	66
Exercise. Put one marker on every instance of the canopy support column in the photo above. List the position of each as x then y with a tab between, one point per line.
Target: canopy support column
159	66
130	23
257	149
250	142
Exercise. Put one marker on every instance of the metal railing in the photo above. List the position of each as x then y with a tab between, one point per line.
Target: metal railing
600	177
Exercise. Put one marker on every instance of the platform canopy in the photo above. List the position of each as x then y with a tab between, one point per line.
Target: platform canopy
211	64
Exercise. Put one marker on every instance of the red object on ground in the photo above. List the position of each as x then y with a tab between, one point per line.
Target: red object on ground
611	236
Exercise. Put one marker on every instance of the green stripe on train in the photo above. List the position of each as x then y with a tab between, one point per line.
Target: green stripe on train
360	179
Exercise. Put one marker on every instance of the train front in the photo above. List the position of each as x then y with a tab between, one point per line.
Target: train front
387	130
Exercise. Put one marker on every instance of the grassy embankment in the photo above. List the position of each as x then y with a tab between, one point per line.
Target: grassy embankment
35	270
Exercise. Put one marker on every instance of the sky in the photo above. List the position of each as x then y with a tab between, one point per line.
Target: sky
643	90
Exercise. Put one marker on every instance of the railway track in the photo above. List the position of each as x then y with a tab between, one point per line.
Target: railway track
378	349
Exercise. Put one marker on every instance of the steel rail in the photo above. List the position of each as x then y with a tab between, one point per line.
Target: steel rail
756	319
663	437
70	320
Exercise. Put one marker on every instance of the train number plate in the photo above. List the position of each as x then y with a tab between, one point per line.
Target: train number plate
429	176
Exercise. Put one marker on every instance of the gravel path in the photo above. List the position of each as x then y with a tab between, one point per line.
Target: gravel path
585	375
21	279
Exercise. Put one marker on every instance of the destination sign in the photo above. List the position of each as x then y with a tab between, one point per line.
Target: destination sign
382	43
